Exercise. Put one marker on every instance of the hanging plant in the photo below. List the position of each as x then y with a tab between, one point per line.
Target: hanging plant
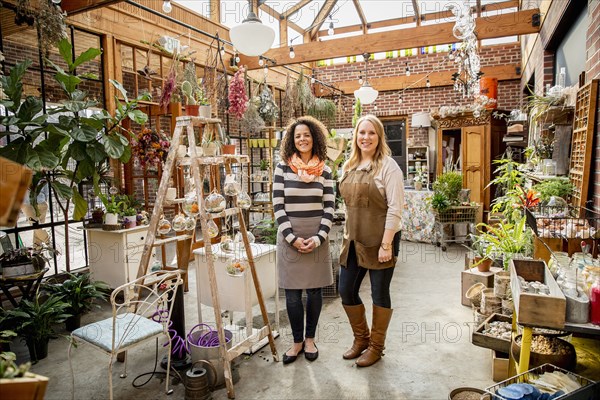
304	92
151	147
290	99
252	122
169	87
51	25
238	98
324	110
267	109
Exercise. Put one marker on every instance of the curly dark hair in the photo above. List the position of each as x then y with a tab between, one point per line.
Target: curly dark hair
318	132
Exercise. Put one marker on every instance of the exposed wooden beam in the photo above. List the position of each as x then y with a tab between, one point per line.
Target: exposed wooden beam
72	7
434	16
517	23
215	11
321	17
272	12
417	12
361	15
294	9
440	78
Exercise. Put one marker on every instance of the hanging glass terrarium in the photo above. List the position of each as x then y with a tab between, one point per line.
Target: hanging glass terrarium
244	201
190	205
231	187
178	223
190	223
236	267
214	203
164	226
213	229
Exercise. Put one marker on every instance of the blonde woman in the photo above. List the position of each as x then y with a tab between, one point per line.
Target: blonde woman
373	190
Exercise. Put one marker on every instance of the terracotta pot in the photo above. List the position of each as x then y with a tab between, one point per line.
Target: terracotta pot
484	266
228	149
192	110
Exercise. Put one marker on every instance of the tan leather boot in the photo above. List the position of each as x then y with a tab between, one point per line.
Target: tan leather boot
358	322
381	321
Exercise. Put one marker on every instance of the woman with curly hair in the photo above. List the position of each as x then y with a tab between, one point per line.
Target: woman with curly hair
303	202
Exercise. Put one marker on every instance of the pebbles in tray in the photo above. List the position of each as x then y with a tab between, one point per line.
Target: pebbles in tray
498	329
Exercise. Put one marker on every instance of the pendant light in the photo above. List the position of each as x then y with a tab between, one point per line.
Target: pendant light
252	37
366	94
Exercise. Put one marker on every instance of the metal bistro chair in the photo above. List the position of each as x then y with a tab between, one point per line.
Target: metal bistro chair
134	320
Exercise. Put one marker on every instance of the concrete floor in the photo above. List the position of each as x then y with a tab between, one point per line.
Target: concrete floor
428	351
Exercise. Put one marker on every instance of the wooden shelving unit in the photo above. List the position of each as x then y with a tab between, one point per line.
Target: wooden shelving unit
267	138
417	158
581	142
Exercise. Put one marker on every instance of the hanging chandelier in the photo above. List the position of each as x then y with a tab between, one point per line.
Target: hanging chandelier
466	57
366	94
252	37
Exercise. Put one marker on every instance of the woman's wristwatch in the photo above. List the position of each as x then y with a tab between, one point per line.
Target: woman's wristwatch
386	246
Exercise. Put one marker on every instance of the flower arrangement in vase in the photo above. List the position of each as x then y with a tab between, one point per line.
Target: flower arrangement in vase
151	147
420	179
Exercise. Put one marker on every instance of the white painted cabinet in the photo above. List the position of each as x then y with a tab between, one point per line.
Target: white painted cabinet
114	256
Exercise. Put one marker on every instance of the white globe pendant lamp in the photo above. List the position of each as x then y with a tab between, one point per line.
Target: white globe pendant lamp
252	37
366	94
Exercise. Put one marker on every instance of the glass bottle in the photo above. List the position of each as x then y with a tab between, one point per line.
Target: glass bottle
595	301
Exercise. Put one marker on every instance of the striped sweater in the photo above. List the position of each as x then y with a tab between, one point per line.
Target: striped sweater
295	198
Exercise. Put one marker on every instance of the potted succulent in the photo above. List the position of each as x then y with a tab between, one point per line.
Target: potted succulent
24	260
79	291
111	217
34	320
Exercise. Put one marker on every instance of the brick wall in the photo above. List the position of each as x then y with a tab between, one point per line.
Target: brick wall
421	99
592	67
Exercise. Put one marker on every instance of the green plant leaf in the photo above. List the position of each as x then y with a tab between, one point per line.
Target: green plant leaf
39	158
78	151
82	135
67	82
84	57
113	147
29	109
96	123
66	51
126	154
120	88
63	191
96	151
81	206
138	116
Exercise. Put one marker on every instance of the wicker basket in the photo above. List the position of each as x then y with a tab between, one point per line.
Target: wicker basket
457	214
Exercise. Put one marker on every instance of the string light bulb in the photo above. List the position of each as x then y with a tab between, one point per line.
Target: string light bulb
56	1
400	100
266	69
237	57
330	31
428	84
167	7
222	50
292	54
312	80
407	69
360	79
261	62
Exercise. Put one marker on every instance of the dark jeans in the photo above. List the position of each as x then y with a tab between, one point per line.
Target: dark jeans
295	310
352	276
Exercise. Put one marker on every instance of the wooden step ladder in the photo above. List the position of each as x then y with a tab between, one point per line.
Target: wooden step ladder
200	166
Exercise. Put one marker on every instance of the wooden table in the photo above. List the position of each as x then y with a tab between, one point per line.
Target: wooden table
27	284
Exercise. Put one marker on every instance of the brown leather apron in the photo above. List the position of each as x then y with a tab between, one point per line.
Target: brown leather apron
366	211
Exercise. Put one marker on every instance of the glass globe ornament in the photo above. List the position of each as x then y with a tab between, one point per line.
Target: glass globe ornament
213	229
214	203
190	223
113	190
227	244
236	267
178	223
239	239
164	226
244	201
190	206
231	188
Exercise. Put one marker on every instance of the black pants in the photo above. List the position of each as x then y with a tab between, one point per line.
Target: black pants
353	274
295	310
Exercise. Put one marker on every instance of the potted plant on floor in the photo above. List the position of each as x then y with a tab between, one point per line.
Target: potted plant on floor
16	382
79	291
483	253
511	240
34	320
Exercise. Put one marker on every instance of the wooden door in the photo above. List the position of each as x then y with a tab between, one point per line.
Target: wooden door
473	139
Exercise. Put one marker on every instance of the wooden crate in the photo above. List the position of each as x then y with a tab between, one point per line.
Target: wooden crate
546	311
478	338
469	277
500	363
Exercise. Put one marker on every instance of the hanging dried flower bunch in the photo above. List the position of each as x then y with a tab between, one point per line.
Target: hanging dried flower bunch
50	22
290	99
168	89
151	147
267	108
252	122
306	97
238	98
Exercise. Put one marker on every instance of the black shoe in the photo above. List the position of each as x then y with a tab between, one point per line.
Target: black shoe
312	356
290	359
